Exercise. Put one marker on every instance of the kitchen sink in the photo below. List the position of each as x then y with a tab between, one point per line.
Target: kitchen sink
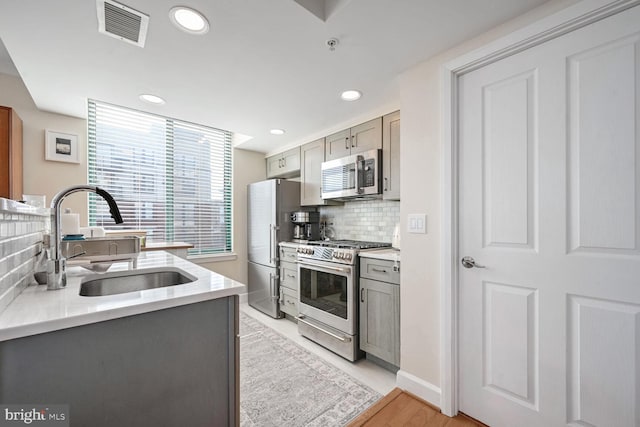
120	282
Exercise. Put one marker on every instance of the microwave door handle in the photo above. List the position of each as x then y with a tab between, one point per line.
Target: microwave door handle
359	172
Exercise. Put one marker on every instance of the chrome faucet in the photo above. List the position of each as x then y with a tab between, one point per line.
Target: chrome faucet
56	270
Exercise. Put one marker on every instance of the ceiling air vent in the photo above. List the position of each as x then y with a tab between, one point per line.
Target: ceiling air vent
122	22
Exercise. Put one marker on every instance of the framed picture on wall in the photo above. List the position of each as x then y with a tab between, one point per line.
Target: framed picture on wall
61	147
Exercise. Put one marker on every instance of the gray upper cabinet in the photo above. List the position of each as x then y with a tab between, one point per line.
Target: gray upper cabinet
284	165
363	137
391	156
311	158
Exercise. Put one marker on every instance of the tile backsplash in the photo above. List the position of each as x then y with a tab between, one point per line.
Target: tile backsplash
21	234
368	220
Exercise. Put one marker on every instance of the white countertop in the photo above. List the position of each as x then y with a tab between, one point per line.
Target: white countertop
290	244
37	310
389	254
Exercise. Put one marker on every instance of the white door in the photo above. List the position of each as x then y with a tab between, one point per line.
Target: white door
549	204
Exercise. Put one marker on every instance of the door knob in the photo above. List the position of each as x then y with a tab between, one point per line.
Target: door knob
469	262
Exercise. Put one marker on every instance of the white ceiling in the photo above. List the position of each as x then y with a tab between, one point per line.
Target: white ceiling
264	64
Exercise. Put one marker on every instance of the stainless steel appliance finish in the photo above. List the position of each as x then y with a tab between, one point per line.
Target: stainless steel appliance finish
306	226
269	207
133	280
304	217
328	282
355	176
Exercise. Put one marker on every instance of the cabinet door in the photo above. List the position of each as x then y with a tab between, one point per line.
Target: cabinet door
10	154
380	320
311	158
274	165
290	163
366	136
284	165
338	145
391	156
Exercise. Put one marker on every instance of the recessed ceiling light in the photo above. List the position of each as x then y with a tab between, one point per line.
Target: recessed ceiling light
277	131
152	99
189	20
351	95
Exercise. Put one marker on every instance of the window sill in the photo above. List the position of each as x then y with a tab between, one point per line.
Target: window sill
205	259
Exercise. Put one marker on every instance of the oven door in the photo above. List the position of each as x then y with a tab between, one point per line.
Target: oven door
327	293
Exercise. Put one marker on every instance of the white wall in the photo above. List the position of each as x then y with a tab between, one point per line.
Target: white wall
248	167
421	160
47	177
42	176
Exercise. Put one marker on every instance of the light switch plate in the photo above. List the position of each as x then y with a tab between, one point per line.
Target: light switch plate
417	223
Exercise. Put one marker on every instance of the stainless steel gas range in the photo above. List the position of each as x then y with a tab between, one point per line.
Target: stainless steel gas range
328	273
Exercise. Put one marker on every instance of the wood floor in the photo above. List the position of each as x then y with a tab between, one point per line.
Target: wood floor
400	409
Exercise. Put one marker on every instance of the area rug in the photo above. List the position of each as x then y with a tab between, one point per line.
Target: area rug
282	384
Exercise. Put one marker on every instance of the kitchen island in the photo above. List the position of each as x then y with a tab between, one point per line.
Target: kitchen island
159	357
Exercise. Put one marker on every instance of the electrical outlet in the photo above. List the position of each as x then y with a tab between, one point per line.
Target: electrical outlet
417	223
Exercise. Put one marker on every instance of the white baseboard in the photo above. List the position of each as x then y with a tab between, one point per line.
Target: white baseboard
419	387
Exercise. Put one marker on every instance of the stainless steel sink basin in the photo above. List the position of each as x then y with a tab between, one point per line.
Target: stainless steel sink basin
120	282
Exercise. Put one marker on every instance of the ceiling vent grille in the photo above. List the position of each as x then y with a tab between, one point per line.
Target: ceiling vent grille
122	22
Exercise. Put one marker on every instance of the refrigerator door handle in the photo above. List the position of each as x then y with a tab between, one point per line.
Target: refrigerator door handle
271	285
273	239
271	257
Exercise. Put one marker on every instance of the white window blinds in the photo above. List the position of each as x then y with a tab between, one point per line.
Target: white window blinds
169	178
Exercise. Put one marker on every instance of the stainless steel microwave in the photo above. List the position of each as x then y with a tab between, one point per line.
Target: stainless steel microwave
355	176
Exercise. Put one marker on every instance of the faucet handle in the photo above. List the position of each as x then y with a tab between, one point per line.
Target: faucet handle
113	207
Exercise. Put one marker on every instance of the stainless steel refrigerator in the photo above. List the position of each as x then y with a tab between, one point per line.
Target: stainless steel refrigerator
269	207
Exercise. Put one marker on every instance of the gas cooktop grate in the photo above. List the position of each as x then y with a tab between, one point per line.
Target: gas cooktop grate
350	244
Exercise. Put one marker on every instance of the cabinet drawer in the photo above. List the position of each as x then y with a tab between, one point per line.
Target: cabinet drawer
289	275
379	269
289	301
288	254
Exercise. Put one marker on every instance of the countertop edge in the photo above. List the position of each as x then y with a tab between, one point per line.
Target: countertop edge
383	254
36	310
116	313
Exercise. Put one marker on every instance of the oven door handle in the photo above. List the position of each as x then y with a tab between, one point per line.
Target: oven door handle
338	337
313	264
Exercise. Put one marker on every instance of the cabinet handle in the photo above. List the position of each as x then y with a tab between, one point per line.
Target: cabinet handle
346	143
362	295
353	144
378	270
291	275
386	184
284	163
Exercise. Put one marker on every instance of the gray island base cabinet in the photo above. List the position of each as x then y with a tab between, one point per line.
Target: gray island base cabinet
173	367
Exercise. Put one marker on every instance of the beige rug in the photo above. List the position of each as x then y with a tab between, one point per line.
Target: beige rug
282	384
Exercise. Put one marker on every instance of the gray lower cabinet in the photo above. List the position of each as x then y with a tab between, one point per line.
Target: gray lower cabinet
289	281
380	309
173	367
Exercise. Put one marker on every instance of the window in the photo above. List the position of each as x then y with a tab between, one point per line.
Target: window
170	178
